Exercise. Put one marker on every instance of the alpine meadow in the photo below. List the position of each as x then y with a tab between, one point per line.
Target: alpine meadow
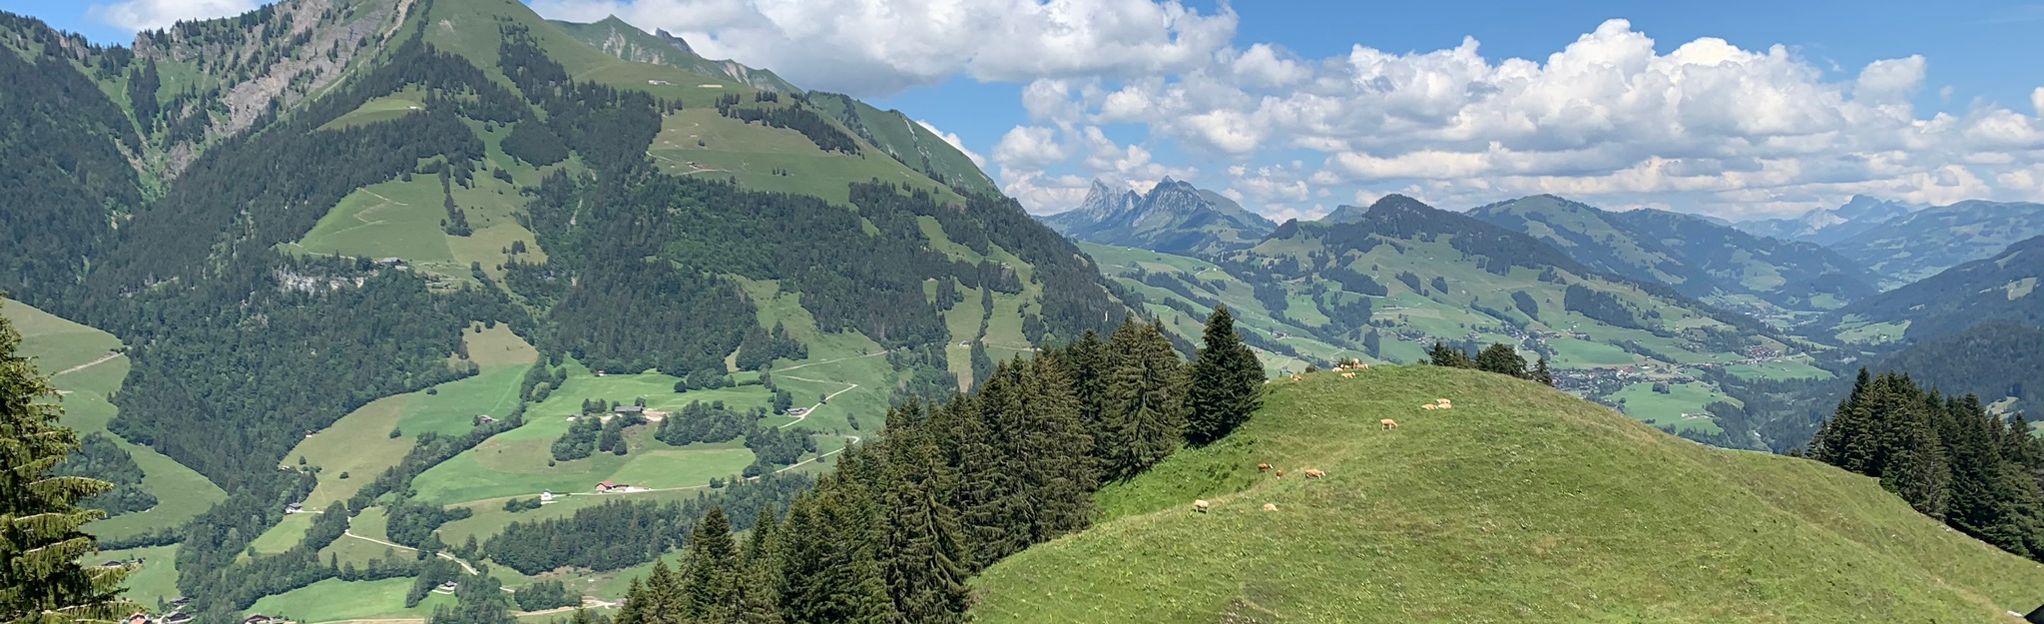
945	311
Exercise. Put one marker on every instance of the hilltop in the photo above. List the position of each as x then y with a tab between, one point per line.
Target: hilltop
1520	504
1765	277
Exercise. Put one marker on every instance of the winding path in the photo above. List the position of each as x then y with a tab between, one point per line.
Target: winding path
102	360
819	404
457	560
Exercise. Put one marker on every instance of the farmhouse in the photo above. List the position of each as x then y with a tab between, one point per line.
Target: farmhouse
177	617
546	497
294	508
258	619
629	410
485	419
798	412
612	487
447	587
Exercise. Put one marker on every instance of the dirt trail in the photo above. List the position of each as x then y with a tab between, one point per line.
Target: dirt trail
102	360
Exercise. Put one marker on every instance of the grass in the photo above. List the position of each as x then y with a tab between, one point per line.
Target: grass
360	445
155	581
392	219
286	534
1780	370
334	599
1521	505
380	109
701	142
59	345
1682	407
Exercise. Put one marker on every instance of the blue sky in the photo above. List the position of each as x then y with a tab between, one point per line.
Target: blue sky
1737	109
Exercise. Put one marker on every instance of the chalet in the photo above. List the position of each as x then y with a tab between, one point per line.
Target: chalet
447	587
485	419
258	619
177	617
630	410
180	603
798	412
138	617
605	487
294	508
546	496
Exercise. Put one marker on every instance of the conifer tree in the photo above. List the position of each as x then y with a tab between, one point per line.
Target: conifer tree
41	528
1085	362
1058	475
1444	355
1541	374
1502	359
925	553
1226	382
759	590
990	491
709	573
1144	420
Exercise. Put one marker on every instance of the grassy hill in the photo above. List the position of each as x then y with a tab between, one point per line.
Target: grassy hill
2001	287
1519	505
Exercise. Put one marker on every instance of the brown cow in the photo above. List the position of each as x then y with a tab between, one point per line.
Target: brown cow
1280	473
1263	467
1388	423
1200	506
1315	473
1270	506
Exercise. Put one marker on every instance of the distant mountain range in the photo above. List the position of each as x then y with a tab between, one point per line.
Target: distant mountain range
1174	217
1696	257
1918	245
1826	226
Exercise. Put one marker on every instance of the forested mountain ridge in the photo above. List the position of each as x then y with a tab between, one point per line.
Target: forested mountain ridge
1173	217
2001	287
1921	244
458	206
1762	276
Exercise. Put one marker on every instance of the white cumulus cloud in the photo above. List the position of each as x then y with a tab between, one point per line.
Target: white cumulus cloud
875	47
140	15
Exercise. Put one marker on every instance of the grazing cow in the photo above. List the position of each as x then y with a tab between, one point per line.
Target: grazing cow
1270	506
1263	467
1200	506
1388	423
1348	375
1430	407
1442	401
1296	377
1315	473
1444	406
1280	473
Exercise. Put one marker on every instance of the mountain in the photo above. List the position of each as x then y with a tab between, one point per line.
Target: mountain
2002	287
1522	504
1827	226
1404	275
1174	217
1348	213
357	247
1764	277
1921	244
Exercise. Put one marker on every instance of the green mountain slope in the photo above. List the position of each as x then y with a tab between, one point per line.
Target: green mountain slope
2000	287
1521	505
1763	277
1923	243
1403	275
614	36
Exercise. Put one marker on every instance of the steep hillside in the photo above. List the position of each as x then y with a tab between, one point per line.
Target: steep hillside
2001	287
1402	275
1519	505
1764	277
405	271
1828	226
1919	245
2001	362
1174	217
617	38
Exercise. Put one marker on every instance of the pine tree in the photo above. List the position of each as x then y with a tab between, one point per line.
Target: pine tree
1226	382
709	572
759	593
1444	355
664	601
1541	374
1145	416
1502	359
991	502
1086	364
925	553
41	528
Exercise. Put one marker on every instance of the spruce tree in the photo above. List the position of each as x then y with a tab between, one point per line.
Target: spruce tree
709	572
1541	374
1144	420
759	590
1226	382
991	501
925	553
1058	475
42	535
1444	355
1502	359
